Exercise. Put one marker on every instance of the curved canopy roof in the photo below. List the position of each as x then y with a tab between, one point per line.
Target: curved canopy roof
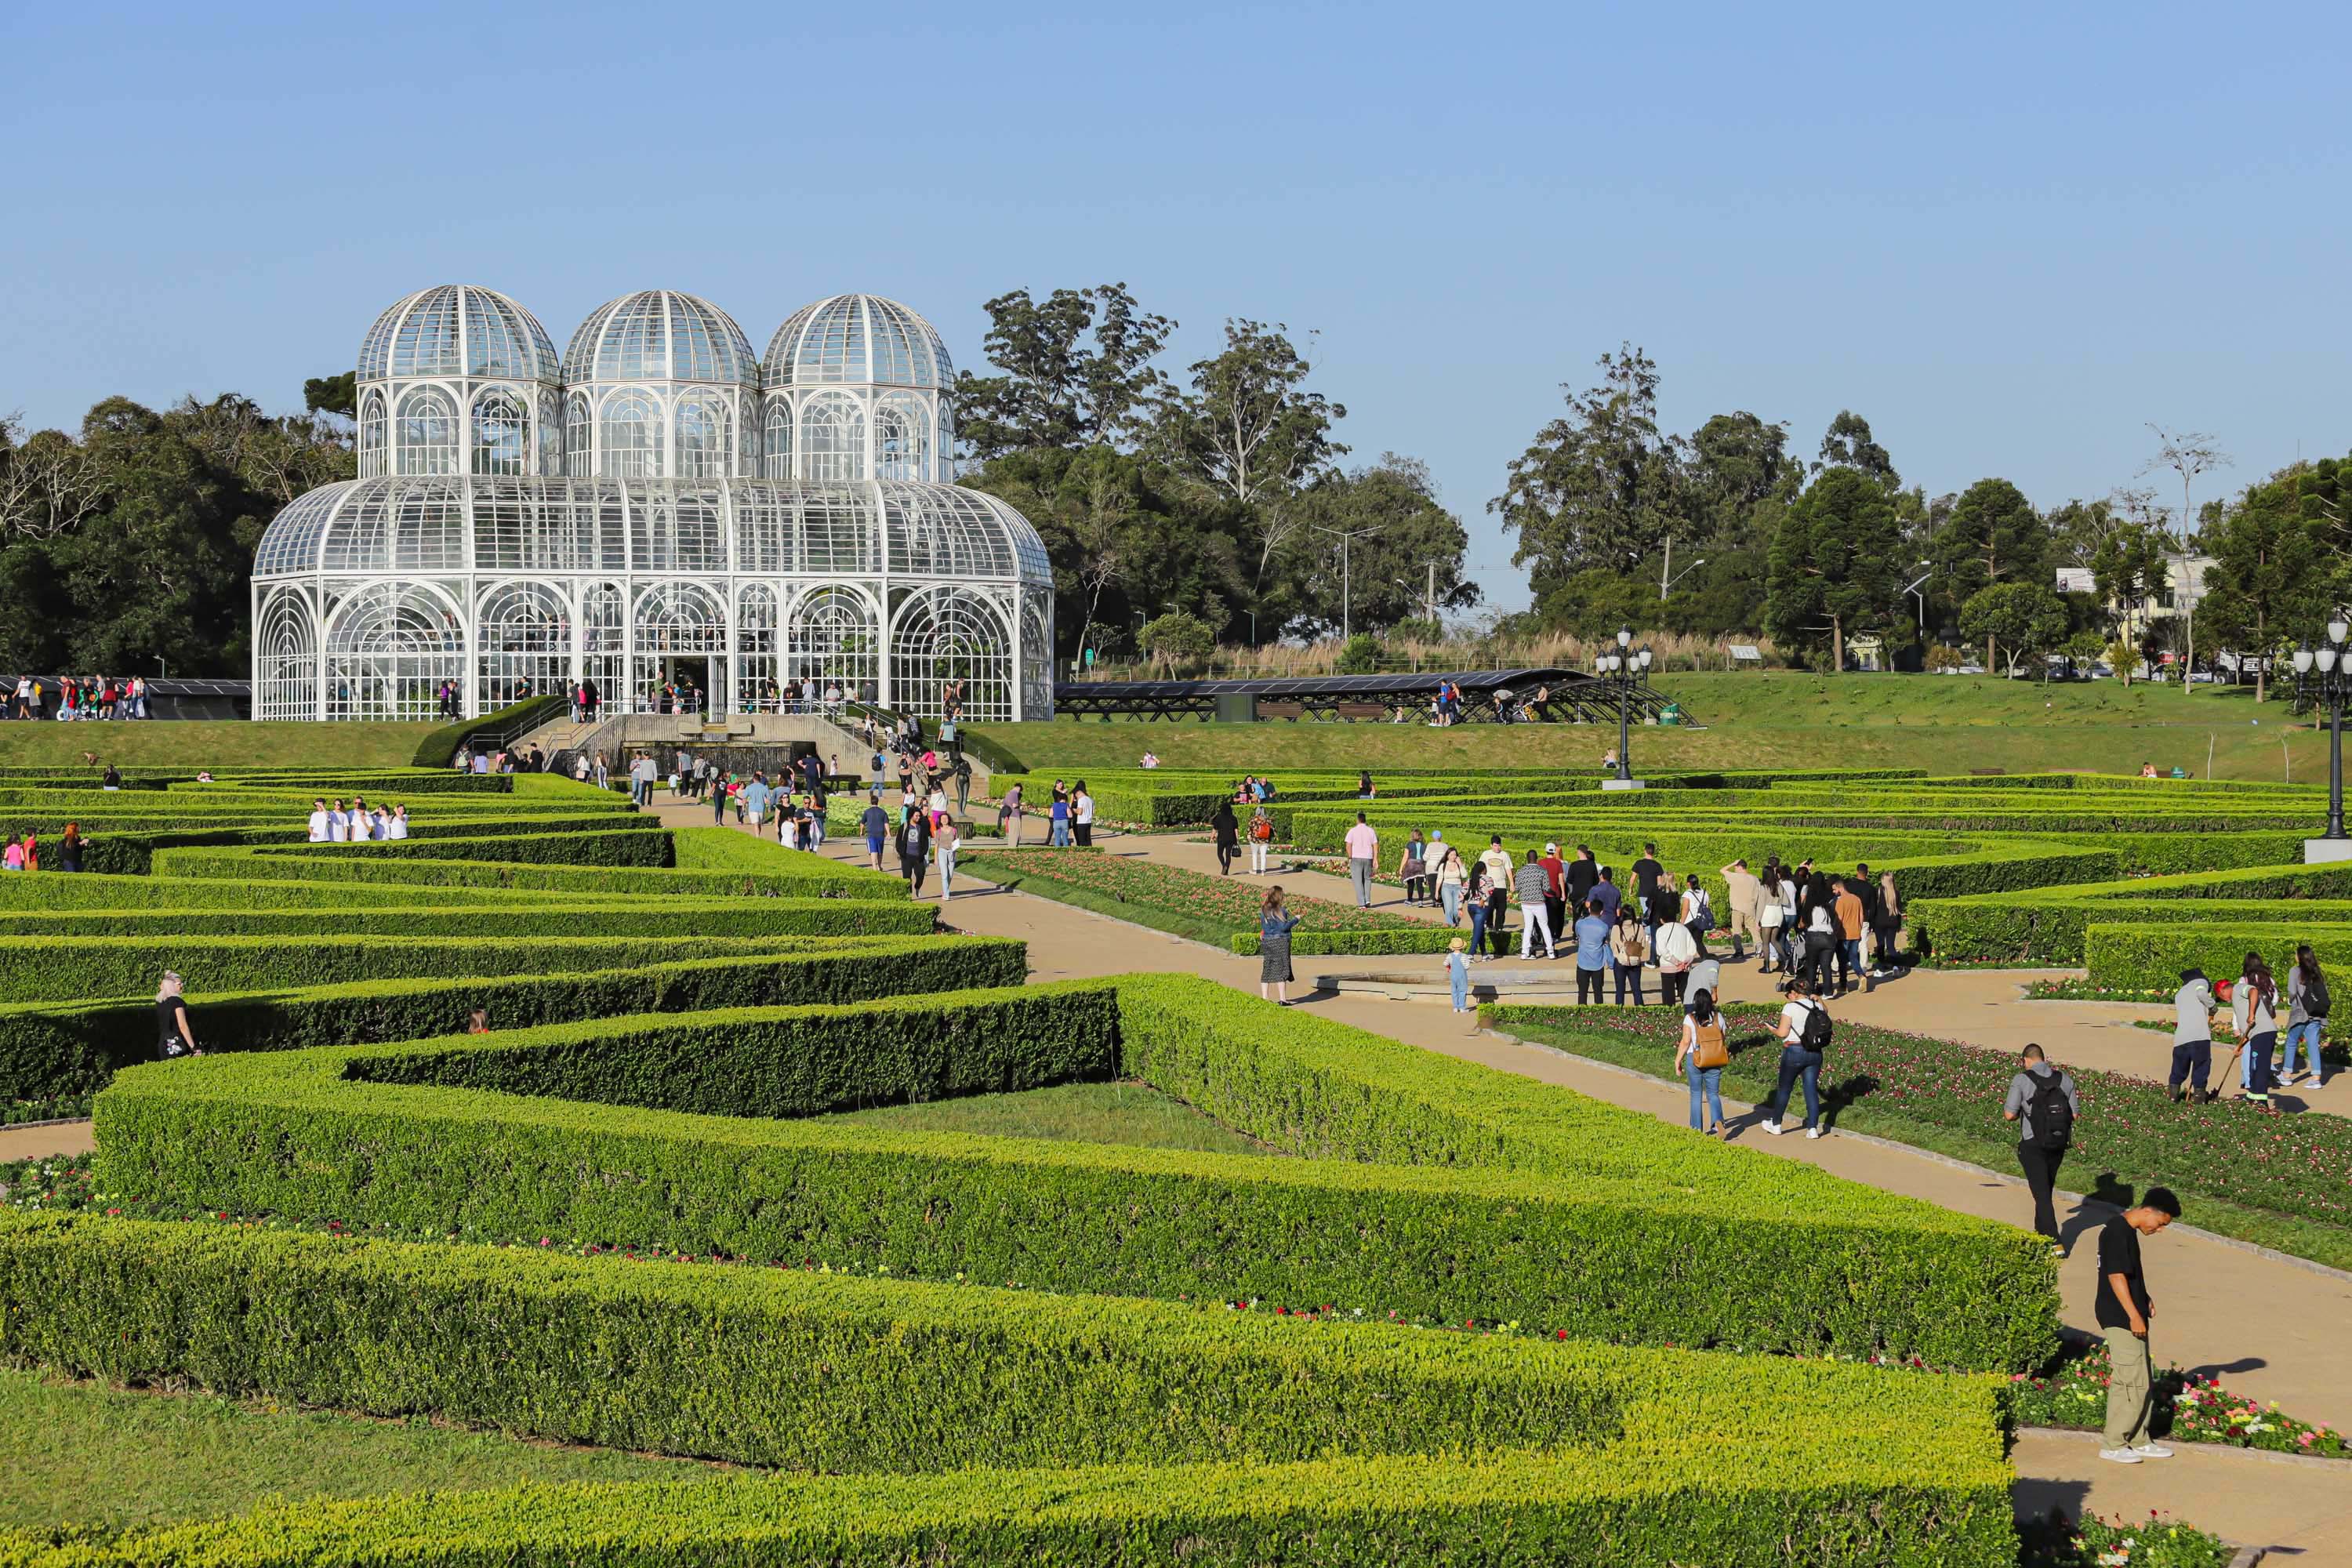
856	340
418	524
659	334
458	329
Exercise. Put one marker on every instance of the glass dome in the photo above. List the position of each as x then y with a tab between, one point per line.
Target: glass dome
856	340
458	329
659	334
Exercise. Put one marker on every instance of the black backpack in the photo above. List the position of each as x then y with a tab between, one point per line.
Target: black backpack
2314	997
2053	1118
1815	1033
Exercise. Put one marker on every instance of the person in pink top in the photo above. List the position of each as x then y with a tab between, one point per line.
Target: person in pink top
1363	849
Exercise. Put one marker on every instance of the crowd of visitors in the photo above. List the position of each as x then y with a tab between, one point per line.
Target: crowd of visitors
78	696
332	822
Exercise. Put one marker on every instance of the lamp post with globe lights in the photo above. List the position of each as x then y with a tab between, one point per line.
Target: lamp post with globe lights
2322	676
1623	669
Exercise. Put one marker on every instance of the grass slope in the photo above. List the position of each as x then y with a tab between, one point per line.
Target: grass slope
82	1454
224	744
1780	719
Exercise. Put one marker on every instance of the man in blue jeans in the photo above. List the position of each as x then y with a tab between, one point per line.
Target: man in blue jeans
1804	1028
2192	1037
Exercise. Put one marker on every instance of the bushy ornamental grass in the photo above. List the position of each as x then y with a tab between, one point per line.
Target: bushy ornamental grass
2294	1165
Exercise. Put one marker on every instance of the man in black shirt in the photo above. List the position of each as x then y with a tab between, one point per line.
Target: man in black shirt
1582	873
1646	873
2125	1311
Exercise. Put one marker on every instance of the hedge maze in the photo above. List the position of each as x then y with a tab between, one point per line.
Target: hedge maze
1447	1315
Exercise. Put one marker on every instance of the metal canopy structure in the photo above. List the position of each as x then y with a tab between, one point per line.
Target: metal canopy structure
1557	696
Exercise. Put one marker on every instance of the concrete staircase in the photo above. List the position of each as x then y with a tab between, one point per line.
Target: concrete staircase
563	739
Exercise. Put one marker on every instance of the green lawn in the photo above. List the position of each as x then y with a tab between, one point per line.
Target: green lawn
210	743
1085	1113
81	1454
1761	720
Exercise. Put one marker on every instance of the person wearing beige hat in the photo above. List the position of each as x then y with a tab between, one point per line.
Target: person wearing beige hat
1457	971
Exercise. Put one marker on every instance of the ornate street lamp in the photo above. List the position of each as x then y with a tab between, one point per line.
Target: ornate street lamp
1624	670
2324	675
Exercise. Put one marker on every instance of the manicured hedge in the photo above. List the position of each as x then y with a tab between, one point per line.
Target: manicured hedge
51	1051
643	842
2151	957
2045	926
93	890
787	1368
1523	1202
132	852
439	916
1861	1484
439	747
794	877
56	968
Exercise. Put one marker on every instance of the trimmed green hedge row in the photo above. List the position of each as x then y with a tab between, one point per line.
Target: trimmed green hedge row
789	1369
94	890
2046	926
1528	1203
56	968
683	919
1849	1488
439	747
793	875
2152	957
60	1049
133	853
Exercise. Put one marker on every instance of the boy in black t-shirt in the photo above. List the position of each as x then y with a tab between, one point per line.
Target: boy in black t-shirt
2125	1311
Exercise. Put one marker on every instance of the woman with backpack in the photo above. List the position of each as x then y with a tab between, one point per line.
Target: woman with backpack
914	845
2306	1018
1414	868
2042	1102
1481	883
1803	1030
2253	1011
1261	837
1700	1059
1697	913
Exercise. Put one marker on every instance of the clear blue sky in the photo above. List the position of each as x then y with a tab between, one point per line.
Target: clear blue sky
2007	235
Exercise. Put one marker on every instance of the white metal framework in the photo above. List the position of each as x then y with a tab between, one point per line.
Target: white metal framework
520	526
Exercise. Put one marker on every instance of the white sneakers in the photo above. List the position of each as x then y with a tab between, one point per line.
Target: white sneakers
1813	1132
2135	1455
1773	1128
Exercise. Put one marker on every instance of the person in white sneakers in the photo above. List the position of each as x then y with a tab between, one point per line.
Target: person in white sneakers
1804	1027
2125	1310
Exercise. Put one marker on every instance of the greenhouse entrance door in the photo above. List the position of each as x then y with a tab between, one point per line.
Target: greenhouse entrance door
695	670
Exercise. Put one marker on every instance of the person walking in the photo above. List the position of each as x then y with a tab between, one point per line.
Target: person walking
943	849
1646	873
1413	867
1013	812
1261	837
319	827
1481	882
1227	830
1533	888
70	849
1629	949
2125	1314
1458	974
1363	853
914	845
1700	1058
1697	913
1451	878
1803	1030
1274	925
1820	936
1556	882
1582	873
1743	900
2192	1037
2306	1018
1846	907
175	1037
1591	954
1886	925
1671	941
1082	808
1606	894
2253	1014
2042	1102
1058	832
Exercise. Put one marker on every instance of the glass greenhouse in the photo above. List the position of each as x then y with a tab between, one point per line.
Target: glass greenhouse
660	507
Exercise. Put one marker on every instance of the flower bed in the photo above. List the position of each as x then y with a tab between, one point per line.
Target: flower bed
2191	1409
2155	1541
2298	1167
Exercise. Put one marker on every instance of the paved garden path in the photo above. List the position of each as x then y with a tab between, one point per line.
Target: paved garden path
2270	1328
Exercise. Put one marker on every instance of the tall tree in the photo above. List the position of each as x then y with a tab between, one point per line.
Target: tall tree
2186	454
1601	487
1848	444
1404	541
1249	429
2022	618
1055	388
1738	474
1833	564
2128	568
1993	535
2269	577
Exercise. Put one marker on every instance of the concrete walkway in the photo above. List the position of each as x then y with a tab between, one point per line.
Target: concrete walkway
2290	1345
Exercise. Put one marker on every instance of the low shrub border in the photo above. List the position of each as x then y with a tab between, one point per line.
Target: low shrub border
75	1049
1945	1096
1502	1171
796	876
1167	898
1914	1497
2152	956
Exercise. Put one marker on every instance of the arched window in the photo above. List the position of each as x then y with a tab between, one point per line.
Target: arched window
778	447
372	462
633	438
901	439
499	429
425	432
550	433
389	647
525	642
833	438
952	637
604	639
679	637
287	664
834	636
579	437
706	436
755	647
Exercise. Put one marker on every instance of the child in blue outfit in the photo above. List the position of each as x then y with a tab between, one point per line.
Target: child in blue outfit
1457	969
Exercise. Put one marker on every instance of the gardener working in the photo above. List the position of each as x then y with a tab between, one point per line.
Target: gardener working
2042	1102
